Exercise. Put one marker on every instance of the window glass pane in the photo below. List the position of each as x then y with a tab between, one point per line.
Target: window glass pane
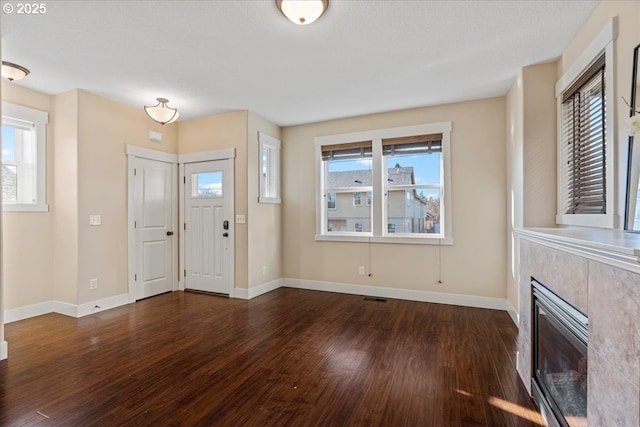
9	183
415	209
349	173
264	175
417	213
349	211
414	169
344	216
206	184
8	144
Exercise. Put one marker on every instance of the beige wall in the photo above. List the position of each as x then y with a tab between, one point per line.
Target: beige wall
628	13
263	219
105	128
531	157
515	186
219	132
64	204
27	237
478	207
539	149
53	255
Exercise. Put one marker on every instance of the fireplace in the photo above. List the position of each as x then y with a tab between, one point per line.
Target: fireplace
560	336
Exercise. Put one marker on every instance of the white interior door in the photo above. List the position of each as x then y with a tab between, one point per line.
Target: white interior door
153	227
208	225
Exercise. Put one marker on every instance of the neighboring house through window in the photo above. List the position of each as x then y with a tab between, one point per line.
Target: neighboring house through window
23	158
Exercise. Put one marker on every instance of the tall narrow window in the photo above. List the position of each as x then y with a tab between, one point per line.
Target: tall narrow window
584	140
269	169
586	135
23	158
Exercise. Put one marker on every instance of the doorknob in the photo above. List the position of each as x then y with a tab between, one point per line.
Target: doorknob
225	234
169	233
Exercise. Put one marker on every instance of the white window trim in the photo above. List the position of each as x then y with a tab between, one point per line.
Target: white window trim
270	143
378	233
40	119
603	42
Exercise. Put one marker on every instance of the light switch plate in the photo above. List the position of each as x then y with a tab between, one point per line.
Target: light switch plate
95	219
241	219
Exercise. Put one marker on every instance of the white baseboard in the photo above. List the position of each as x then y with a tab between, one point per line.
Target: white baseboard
404	294
240	293
101	305
28	311
513	313
65	308
4	350
257	290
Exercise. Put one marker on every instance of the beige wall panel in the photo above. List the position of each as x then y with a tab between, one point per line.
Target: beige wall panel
105	127
515	168
264	220
65	207
27	236
478	205
219	132
539	145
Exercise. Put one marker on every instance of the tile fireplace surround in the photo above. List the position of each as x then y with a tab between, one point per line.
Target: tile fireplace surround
597	271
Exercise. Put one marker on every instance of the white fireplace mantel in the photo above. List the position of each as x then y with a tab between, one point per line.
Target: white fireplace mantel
614	247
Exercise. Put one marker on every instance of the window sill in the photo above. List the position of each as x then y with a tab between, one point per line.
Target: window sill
405	240
586	220
270	200
17	207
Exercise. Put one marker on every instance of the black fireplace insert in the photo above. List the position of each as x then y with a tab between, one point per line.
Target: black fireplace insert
560	337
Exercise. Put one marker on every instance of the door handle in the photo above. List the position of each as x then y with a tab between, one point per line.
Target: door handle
225	234
225	225
169	233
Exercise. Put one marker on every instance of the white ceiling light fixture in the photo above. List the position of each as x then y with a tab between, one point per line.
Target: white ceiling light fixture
302	12
162	113
11	71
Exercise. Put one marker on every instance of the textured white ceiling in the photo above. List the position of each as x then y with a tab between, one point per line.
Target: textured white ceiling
361	57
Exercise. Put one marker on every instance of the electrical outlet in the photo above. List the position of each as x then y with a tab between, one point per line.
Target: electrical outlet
93	284
264	270
361	270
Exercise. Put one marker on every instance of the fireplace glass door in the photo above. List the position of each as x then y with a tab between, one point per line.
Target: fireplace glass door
560	358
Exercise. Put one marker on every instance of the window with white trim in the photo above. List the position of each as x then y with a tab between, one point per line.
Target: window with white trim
269	168
586	135
397	180
23	158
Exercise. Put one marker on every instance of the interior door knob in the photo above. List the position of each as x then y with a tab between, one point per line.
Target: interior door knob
225	234
169	233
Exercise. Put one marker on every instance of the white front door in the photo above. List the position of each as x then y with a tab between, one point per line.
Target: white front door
153	188
208	225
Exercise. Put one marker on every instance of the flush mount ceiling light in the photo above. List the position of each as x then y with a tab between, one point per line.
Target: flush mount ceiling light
302	12
11	71
161	113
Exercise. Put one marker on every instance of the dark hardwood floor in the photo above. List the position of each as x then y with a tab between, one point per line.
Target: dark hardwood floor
289	357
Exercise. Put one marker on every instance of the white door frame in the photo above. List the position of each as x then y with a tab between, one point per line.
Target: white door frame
206	156
133	153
